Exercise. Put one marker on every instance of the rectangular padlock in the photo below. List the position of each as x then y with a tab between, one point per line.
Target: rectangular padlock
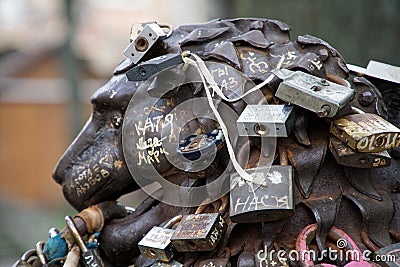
144	41
198	232
378	70
156	244
346	156
172	263
250	203
313	93
388	256
366	132
153	66
266	121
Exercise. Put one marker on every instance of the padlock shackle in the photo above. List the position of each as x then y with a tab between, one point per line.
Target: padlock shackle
173	221
75	233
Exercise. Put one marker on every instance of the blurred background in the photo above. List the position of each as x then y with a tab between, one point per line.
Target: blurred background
54	54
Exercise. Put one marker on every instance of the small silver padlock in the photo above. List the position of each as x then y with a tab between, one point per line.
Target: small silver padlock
313	93
366	132
90	257
266	121
157	244
143	41
377	70
198	232
171	263
250	203
346	156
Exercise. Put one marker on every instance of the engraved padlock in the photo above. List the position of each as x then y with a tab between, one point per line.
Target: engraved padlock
346	156
198	232
266	121
171	263
149	35
366	132
157	244
90	257
313	93
271	201
222	261
388	256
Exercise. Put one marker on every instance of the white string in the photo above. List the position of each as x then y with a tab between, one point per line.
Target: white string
208	80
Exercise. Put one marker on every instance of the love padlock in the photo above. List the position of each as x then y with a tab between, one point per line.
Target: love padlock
157	244
348	249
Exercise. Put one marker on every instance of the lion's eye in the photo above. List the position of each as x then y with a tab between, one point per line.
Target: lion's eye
117	119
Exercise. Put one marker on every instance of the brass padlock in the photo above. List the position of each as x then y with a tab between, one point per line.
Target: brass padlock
346	156
313	93
149	34
198	232
366	132
250	203
266	121
156	243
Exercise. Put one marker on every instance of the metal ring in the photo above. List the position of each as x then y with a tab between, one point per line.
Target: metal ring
169	27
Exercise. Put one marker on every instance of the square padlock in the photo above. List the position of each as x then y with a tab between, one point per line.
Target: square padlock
250	203
198	232
156	244
266	121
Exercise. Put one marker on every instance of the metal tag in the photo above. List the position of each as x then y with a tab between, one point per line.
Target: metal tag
198	232
156	244
346	156
144	41
266	121
153	66
390	254
272	202
313	93
366	132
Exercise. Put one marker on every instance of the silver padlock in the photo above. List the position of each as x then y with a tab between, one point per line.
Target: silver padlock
346	156
171	263
313	93
144	41
266	121
250	203
366	132
198	232
377	70
90	257
157	244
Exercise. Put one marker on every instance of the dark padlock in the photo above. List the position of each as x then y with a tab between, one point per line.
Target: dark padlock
90	257
198	232
157	244
313	93
194	146
250	203
389	255
346	156
266	121
153	66
366	132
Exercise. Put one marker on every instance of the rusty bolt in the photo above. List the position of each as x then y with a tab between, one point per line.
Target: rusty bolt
324	111
366	98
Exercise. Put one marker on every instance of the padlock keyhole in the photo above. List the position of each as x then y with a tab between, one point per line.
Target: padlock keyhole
141	44
261	129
